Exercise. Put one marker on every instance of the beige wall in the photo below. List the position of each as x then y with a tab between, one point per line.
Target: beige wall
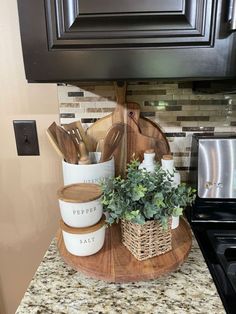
28	205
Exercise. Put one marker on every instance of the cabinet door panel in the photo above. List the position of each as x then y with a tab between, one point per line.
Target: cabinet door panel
129	6
74	24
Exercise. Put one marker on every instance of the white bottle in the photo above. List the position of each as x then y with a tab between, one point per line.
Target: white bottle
167	164
148	161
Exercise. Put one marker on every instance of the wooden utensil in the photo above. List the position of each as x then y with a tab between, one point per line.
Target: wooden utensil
84	156
99	129
67	146
112	140
99	147
76	130
51	134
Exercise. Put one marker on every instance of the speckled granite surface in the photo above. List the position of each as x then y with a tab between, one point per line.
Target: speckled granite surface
56	288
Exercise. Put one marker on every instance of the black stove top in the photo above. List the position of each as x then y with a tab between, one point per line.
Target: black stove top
224	244
217	242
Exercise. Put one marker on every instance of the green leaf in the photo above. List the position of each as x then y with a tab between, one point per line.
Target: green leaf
177	211
149	210
110	220
131	215
138	192
139	219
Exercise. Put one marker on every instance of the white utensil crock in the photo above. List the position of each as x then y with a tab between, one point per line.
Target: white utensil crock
92	173
84	241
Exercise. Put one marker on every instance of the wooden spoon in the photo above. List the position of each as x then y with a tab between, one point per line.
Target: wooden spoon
112	140
67	146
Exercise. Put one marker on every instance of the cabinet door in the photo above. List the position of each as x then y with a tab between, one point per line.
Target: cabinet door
89	24
72	40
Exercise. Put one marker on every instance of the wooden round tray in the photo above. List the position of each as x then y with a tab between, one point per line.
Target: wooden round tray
114	263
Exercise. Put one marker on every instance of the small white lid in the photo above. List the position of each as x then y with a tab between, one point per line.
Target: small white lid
79	192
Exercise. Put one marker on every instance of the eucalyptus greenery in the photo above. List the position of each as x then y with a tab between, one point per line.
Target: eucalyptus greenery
143	196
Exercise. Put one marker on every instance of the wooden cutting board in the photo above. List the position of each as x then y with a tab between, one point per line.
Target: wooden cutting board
137	142
98	129
147	127
140	133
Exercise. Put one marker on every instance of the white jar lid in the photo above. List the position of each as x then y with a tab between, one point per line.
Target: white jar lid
83	230
79	192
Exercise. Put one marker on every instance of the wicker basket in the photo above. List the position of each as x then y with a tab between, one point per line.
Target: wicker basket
146	241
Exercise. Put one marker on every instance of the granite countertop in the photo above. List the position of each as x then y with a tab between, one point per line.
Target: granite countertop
56	288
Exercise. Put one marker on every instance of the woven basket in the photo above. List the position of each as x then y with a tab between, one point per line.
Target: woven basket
147	240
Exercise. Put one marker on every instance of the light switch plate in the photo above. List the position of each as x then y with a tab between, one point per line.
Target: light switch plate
26	137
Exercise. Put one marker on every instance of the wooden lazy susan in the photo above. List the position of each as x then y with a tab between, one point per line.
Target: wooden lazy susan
114	263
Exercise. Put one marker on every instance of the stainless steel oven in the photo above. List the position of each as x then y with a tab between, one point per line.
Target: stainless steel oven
213	215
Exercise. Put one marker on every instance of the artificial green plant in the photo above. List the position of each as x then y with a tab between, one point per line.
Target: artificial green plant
143	196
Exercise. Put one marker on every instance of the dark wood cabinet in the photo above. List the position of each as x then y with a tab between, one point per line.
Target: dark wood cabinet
70	40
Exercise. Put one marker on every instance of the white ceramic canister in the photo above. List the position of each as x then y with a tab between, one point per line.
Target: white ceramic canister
84	241
92	173
167	164
80	204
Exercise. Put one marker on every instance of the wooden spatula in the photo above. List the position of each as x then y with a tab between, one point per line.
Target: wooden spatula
112	140
77	131
67	146
51	134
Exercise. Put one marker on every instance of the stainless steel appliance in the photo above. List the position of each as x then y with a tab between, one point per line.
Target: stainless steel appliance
213	216
217	168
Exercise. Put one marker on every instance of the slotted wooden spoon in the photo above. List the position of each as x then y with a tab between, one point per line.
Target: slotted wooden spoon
112	140
76	130
67	146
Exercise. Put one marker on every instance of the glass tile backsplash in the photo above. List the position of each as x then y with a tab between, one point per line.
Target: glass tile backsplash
177	109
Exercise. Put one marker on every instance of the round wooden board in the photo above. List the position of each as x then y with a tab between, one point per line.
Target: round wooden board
114	263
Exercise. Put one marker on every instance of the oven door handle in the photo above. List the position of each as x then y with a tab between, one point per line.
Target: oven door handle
232	15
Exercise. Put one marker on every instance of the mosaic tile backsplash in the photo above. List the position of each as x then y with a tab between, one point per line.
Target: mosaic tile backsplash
177	109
